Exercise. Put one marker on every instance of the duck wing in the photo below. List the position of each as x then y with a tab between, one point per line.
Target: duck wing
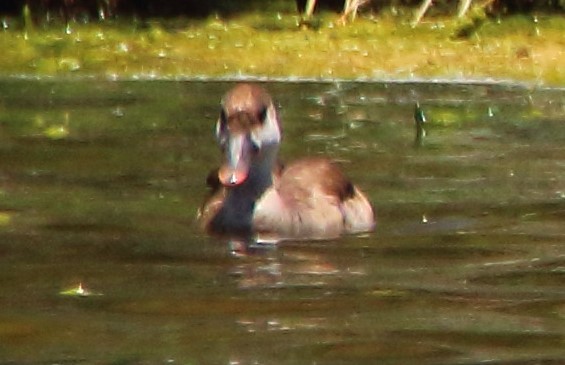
313	199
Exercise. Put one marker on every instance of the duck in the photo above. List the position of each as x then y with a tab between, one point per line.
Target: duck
254	196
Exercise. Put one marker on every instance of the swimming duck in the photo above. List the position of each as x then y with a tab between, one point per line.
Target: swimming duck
254	196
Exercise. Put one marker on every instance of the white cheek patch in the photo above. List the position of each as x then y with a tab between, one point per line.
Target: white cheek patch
220	133
256	139
269	133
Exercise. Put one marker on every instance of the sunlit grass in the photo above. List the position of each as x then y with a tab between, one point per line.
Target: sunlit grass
273	45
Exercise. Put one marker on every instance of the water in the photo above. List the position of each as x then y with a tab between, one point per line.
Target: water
100	183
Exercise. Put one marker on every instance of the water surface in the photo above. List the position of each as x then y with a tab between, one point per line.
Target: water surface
100	183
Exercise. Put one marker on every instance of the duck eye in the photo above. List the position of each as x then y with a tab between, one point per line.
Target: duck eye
255	142
223	117
263	115
255	147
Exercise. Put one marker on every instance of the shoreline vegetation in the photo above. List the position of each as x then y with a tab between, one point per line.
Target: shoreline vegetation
278	45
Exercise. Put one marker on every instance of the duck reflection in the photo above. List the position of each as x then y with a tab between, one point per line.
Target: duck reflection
291	267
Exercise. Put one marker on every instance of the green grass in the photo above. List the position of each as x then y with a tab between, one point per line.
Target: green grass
273	45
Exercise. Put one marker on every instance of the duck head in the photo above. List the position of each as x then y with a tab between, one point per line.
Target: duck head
248	131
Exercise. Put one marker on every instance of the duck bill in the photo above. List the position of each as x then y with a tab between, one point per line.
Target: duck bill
235	169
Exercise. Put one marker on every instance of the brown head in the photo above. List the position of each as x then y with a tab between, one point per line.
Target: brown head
248	123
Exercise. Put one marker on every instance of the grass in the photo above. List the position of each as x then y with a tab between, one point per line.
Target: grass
519	49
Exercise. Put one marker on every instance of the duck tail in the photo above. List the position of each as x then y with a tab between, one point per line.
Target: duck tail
358	214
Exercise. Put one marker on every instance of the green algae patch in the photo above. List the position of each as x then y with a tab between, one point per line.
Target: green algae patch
524	49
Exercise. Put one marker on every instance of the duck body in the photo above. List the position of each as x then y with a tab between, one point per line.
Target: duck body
253	196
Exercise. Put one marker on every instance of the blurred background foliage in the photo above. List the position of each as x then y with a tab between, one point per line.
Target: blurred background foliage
522	39
46	11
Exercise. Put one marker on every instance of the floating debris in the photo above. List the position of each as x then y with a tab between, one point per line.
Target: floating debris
56	132
118	112
79	291
387	293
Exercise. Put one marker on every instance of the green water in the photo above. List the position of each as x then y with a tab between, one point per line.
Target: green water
100	183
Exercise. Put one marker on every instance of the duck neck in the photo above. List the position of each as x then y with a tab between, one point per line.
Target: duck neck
236	215
260	177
